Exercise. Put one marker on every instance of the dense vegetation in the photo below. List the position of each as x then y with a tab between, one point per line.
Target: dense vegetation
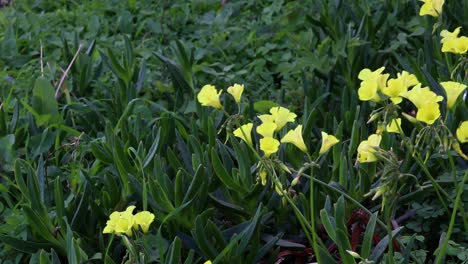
108	122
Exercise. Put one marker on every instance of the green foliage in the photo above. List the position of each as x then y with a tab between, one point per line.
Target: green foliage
99	111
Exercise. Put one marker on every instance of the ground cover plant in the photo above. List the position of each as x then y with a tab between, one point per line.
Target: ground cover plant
233	131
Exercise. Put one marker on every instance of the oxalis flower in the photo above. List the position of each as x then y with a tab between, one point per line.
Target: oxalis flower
269	146
245	133
431	8
422	96
452	43
428	113
295	137
367	147
328	141
394	125
462	132
372	83
281	116
267	129
396	87
453	91
122	222
209	96
236	91
144	220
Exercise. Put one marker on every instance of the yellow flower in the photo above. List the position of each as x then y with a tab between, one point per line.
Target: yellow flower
396	87
267	118
453	90
269	145
207	262
428	113
456	45
266	129
367	147
120	222
144	220
462	132
372	82
447	35
394	125
281	116
245	133
368	91
328	141
295	137
422	96
236	91
209	96
368	75
431	7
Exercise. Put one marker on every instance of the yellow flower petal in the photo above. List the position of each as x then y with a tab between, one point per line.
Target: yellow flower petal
144	220
282	116
295	137
328	141
366	148
245	133
462	132
269	146
428	113
394	125
267	129
453	91
431	8
236	91
209	96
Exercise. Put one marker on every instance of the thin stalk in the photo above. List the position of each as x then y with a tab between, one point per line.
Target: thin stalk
437	187
452	219
462	209
312	214
303	221
382	224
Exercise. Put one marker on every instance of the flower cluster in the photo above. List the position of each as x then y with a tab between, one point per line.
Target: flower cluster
452	43
209	96
272	123
123	222
375	86
269	128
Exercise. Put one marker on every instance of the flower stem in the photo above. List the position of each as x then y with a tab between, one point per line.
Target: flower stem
443	248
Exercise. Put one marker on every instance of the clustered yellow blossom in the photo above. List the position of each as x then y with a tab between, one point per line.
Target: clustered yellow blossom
123	222
375	86
452	43
209	95
427	103
431	8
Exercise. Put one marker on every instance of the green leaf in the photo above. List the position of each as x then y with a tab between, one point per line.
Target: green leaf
264	106
343	243
223	175
174	255
368	236
23	245
44	103
196	184
327	223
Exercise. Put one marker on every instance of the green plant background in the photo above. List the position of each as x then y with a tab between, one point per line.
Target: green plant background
126	128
